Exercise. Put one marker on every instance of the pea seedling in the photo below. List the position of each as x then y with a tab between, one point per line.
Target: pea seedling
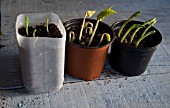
100	17
137	27
88	26
26	24
47	24
125	23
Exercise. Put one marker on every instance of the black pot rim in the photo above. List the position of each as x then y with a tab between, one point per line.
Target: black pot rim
134	48
77	45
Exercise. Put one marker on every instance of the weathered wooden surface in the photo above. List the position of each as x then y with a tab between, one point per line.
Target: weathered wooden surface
152	89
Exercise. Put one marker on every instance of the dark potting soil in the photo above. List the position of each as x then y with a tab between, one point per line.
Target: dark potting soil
86	37
147	42
41	31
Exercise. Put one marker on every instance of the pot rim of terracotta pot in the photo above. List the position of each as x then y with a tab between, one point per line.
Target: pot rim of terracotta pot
132	47
91	47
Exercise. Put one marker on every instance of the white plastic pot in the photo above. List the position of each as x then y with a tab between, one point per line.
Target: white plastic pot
42	60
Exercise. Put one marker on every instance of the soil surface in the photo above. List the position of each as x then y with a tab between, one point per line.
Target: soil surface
86	37
41	31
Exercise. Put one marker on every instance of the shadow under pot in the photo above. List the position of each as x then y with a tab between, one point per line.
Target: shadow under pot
129	60
86	62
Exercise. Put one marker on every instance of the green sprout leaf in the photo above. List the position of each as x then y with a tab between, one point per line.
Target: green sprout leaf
26	24
124	24
143	37
127	32
107	37
105	13
90	13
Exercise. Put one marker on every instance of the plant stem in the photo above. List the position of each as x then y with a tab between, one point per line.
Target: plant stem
47	24
89	30
71	36
125	23
127	32
107	36
82	26
26	24
146	35
34	32
134	33
154	21
94	31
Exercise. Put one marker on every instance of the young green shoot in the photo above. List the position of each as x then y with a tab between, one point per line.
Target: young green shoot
100	17
35	30
47	24
87	14
72	36
143	37
88	24
151	24
26	24
36	38
128	31
134	33
89	30
107	37
125	23
144	34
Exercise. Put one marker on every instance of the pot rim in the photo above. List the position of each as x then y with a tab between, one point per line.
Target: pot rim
77	45
131	47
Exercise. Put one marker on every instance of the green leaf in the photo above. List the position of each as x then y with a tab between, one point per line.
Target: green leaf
134	15
105	13
90	13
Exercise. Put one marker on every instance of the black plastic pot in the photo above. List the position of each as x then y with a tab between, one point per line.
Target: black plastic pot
132	61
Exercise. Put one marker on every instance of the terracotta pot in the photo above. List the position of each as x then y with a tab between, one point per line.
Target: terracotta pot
132	61
86	62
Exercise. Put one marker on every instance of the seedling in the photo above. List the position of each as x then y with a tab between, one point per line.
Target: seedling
137	27
146	23
89	14
131	28
26	24
144	34
125	23
47	24
88	26
35	30
72	36
107	36
100	17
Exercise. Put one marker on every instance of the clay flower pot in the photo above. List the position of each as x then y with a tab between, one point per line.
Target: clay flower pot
86	62
132	61
42	60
